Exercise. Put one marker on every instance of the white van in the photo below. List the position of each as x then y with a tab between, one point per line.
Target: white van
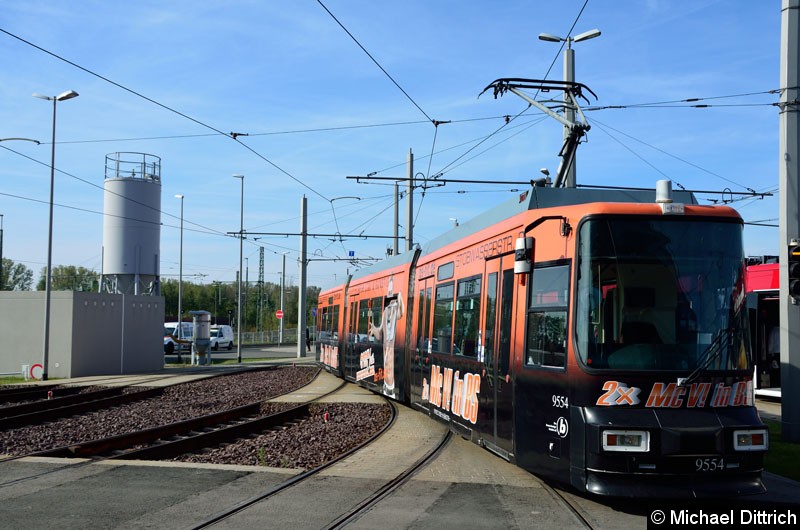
221	336
174	342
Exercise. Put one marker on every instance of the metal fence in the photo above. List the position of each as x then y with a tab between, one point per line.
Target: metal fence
273	336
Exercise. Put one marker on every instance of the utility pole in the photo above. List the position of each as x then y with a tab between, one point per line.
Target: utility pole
239	275
410	203
283	288
246	290
260	323
396	244
789	179
301	297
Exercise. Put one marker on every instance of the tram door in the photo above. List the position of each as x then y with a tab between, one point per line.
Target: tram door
420	365
350	340
496	331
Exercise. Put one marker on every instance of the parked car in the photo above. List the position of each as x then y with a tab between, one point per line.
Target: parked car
221	336
177	342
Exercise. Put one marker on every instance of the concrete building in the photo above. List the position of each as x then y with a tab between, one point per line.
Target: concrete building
90	333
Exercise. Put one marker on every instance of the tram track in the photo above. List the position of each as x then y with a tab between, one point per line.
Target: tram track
403	469
33	393
51	402
357	511
363	487
49	410
574	508
137	430
195	434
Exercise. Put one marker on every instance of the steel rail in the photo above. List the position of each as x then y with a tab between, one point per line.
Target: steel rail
390	487
49	414
33	392
243	505
192	441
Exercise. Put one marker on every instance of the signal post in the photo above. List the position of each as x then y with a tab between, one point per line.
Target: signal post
789	244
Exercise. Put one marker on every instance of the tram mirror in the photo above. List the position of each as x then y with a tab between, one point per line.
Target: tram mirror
523	255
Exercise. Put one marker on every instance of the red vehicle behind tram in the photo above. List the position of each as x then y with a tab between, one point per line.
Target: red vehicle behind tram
591	336
763	294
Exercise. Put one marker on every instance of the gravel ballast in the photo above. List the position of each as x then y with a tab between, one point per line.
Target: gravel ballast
331	430
177	403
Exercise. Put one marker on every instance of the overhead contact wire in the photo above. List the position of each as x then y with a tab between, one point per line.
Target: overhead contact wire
375	61
233	136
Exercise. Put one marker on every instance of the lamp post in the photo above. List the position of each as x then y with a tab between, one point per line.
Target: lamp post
69	94
241	240
180	280
569	76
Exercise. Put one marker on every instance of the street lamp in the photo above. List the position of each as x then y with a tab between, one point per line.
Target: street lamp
69	94
37	142
241	241
569	76
180	281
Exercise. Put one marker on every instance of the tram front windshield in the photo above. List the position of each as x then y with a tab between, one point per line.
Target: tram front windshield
661	294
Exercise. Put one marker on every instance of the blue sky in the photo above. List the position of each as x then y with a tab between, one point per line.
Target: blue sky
318	110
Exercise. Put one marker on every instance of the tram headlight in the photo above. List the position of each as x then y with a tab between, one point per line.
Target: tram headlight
628	441
751	440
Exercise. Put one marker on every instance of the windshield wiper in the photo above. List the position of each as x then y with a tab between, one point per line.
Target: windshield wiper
710	354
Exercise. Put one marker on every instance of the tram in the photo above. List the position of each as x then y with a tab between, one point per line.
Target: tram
596	337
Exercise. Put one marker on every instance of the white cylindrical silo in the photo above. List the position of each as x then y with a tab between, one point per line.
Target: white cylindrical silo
132	224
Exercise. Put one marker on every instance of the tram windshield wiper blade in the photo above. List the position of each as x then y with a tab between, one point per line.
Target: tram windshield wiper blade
710	354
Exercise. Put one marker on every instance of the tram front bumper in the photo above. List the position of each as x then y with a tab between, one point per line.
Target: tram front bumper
673	486
689	454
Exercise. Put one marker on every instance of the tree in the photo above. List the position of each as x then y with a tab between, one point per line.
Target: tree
70	278
16	277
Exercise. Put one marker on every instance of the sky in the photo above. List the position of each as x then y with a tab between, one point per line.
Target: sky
328	89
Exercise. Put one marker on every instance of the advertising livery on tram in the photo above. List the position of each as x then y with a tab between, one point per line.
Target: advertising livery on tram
597	337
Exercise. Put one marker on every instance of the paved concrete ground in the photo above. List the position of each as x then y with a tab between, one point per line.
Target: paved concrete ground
466	487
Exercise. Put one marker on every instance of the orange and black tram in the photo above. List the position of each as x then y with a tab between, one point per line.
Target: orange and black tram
595	337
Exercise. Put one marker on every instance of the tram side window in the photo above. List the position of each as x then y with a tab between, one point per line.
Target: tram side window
468	310
506	310
423	324
369	313
318	322
547	317
352	329
334	323
443	319
490	318
363	322
324	324
375	317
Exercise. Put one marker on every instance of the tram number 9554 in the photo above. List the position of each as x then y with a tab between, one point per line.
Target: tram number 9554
709	465
560	402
